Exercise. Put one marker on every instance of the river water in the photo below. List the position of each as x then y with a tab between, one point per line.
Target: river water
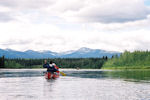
30	84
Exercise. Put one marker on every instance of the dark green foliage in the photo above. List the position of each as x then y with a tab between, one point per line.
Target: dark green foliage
12	64
61	62
2	60
130	59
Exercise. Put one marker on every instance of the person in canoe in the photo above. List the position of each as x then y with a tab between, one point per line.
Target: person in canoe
52	70
46	64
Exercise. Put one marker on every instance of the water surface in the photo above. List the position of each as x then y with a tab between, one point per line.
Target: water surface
30	84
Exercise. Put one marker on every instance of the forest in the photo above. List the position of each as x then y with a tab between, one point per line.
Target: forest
93	63
130	60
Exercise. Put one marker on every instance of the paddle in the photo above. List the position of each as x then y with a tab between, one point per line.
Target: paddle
62	73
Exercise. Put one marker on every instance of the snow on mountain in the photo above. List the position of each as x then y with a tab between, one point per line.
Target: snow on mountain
80	53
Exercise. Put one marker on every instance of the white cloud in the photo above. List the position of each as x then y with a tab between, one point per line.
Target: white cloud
106	11
132	25
49	37
54	24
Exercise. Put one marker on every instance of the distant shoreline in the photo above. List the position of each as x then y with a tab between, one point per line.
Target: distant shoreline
123	68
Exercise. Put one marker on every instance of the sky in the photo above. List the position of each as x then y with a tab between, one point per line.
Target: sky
63	25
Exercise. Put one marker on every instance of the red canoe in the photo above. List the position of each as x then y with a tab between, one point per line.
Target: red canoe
49	75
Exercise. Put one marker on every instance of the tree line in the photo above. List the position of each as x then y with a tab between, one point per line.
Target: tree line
2	62
61	62
136	59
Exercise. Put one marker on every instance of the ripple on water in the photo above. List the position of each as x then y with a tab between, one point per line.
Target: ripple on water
71	87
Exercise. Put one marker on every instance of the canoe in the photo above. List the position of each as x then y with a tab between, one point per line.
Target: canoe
49	75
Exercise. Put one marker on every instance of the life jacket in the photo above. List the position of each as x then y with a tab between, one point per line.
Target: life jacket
56	67
52	67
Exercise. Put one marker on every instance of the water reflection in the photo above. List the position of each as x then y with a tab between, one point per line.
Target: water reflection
127	75
77	85
131	75
21	73
48	85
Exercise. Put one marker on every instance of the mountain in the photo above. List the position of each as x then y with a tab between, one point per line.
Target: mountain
27	54
80	53
87	52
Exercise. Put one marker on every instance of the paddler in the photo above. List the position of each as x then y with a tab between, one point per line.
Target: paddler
50	67
55	67
46	65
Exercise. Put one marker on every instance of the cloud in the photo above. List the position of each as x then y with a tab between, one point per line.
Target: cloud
114	11
11	42
13	9
103	11
26	4
5	17
49	37
120	41
139	24
61	25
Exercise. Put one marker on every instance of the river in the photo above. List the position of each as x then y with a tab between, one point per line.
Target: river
85	84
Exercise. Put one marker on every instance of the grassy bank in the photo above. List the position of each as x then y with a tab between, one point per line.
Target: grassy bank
122	68
129	60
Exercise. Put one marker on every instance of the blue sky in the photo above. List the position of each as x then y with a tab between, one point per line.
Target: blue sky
62	25
147	2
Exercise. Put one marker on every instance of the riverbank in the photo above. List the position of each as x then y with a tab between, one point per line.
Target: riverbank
134	67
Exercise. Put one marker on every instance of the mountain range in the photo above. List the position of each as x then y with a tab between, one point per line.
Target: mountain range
80	53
